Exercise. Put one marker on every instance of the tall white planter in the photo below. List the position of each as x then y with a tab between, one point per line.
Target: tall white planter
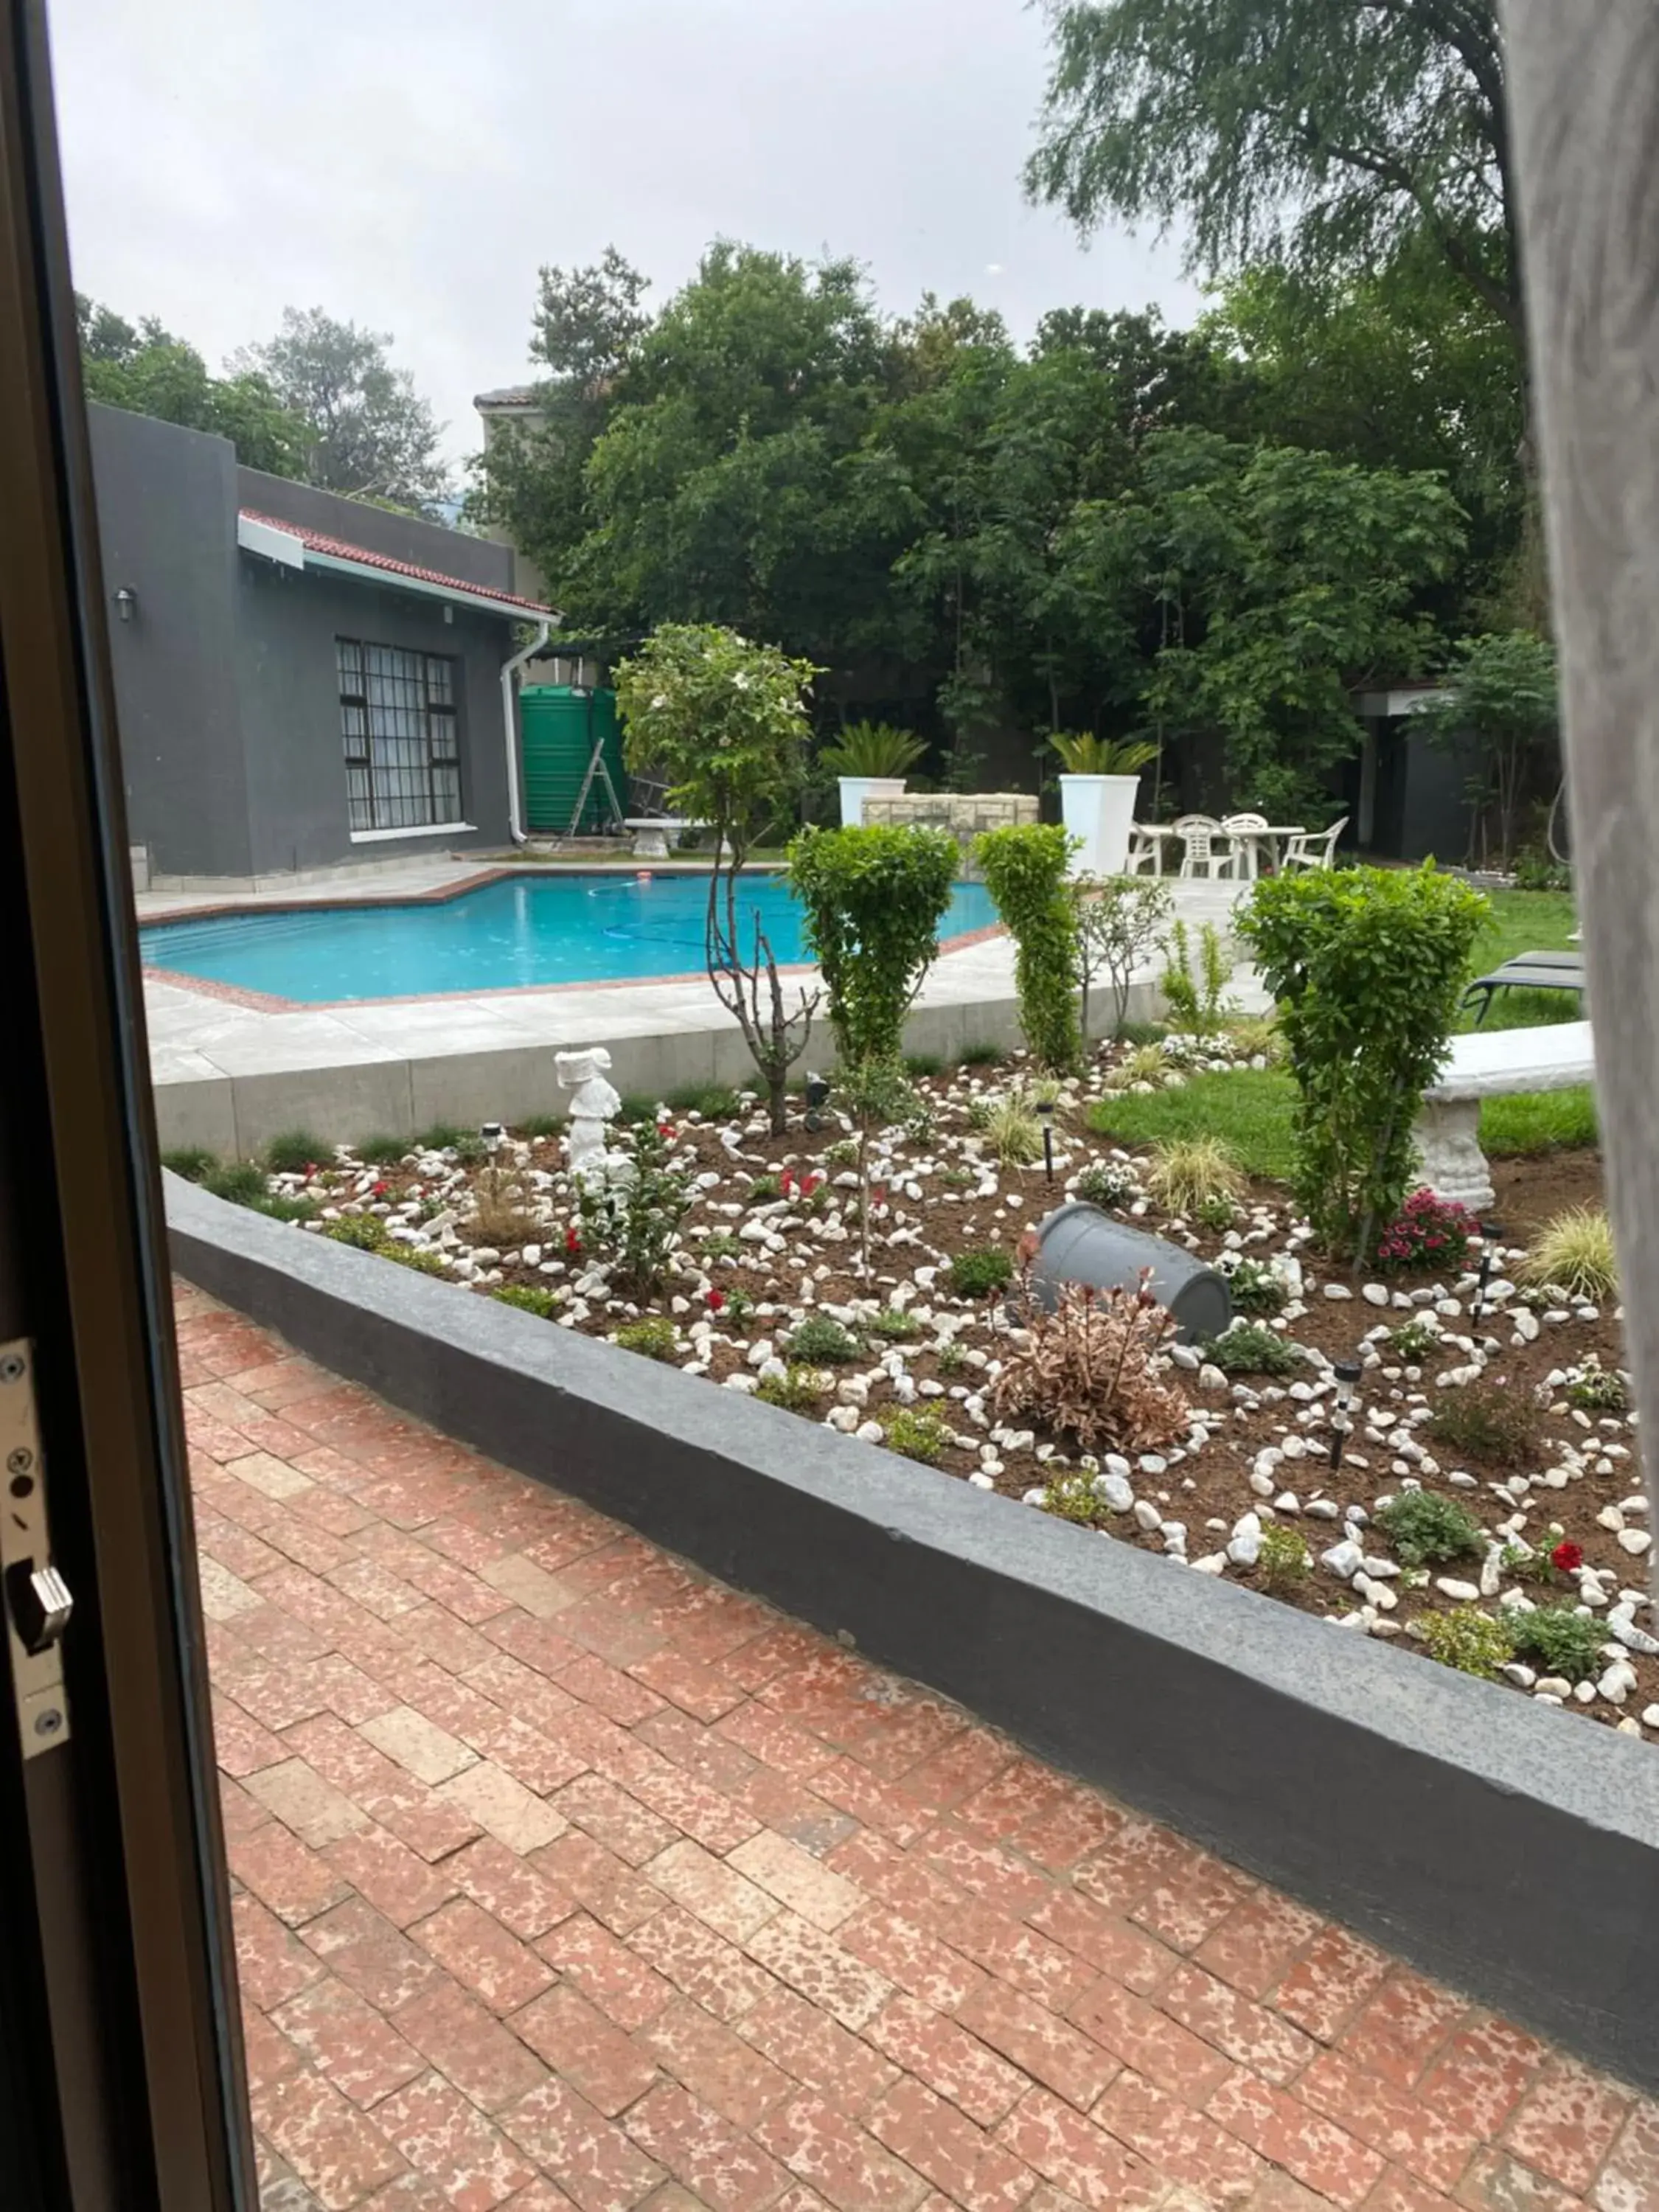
1099	811
855	789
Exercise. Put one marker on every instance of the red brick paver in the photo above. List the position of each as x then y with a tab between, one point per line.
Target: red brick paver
563	1877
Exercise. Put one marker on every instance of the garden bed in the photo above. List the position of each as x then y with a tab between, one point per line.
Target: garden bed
771	1241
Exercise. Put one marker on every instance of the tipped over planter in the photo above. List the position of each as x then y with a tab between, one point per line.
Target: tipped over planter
1080	1243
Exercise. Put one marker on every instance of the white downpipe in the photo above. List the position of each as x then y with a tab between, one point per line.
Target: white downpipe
510	728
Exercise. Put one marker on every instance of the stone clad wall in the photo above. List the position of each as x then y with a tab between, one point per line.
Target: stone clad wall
964	815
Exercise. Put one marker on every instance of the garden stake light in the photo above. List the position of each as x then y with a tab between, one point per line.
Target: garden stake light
1347	1372
817	1093
1045	1114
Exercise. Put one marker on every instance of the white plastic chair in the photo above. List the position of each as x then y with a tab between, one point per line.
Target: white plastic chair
1313	849
1145	852
1200	854
1246	850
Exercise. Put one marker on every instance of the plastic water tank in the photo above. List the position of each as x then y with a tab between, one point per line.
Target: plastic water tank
1080	1244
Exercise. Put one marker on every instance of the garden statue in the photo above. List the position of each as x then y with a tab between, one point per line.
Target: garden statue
593	1101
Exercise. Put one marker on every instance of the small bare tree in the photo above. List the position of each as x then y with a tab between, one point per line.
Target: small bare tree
724	721
1119	920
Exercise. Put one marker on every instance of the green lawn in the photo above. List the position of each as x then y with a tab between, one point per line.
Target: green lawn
1525	922
1252	1110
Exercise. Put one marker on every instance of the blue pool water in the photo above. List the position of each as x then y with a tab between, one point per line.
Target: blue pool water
539	929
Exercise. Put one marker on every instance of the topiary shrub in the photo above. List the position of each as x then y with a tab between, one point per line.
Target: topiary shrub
873	899
1367	965
1025	871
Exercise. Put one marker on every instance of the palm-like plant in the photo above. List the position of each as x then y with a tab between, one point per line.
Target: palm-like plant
1082	753
873	749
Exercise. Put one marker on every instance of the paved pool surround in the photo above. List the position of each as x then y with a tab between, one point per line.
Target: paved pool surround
231	1072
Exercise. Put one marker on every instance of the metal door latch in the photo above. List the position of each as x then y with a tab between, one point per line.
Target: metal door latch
37	1604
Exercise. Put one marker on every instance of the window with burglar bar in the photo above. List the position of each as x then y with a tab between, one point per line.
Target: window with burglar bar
402	749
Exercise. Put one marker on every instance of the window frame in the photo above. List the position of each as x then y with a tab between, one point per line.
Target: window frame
377	789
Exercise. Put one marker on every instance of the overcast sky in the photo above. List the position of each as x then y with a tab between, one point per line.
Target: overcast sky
410	164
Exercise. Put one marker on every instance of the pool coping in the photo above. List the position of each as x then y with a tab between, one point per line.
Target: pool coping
1507	1848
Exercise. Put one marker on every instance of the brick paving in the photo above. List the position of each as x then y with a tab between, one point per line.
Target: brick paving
565	1876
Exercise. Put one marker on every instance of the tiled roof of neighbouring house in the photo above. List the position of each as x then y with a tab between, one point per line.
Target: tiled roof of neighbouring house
338	548
508	395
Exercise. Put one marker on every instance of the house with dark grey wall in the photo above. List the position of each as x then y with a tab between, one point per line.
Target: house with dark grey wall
303	681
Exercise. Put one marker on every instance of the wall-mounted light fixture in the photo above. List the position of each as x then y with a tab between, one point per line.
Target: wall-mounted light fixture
126	603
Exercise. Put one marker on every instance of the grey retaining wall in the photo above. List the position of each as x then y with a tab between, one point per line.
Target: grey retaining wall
1505	1846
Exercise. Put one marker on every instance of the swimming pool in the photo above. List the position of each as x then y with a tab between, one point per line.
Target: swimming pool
521	930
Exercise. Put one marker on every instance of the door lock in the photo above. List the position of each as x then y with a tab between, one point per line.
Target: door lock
37	1603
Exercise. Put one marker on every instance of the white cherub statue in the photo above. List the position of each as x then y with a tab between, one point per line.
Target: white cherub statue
592	1103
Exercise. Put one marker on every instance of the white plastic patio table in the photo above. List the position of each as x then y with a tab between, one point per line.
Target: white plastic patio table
1249	844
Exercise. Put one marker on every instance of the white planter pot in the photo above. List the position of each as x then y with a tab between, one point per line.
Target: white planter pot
1099	811
855	789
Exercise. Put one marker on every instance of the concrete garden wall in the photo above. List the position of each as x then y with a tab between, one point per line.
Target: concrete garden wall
1511	1849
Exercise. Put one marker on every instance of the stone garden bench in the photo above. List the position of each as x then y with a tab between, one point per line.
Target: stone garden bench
653	833
1490	1064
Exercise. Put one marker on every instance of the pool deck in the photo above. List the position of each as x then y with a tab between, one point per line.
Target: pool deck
230	1074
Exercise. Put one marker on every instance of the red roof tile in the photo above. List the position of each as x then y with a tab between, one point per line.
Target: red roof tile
337	549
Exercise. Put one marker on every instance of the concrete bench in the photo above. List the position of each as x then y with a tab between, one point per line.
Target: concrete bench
1490	1064
651	833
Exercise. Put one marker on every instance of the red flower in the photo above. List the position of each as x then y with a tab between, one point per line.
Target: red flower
573	1242
1567	1556
716	1300
310	1170
379	1190
667	1131
879	1195
787	1181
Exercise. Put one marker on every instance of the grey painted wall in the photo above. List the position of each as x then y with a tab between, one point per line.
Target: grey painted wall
288	624
225	678
166	517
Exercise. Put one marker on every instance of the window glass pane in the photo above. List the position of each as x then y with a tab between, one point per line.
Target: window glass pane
397	724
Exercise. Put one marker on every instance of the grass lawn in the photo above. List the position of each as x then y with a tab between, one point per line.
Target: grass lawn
1525	922
1251	1111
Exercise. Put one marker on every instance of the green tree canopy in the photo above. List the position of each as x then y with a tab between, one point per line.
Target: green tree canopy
146	370
1316	132
371	434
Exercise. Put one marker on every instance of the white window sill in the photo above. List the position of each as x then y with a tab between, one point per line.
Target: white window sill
425	830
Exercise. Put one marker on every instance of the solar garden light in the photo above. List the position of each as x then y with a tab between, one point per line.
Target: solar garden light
493	1134
817	1093
1347	1372
1045	1114
1491	1235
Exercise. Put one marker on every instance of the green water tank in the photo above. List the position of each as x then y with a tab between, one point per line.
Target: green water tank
559	724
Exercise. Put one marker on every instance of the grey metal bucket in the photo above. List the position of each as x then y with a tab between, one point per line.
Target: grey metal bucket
1080	1244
